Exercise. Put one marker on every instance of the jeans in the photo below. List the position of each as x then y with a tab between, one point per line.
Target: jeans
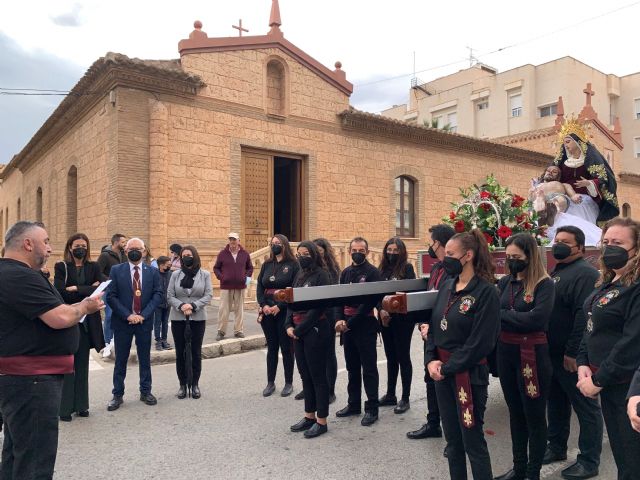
29	406
161	324
123	337
108	332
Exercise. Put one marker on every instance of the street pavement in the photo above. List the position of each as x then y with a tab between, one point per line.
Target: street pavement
232	432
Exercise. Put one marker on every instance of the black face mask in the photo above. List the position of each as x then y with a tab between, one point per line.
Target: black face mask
615	257
79	252
305	262
561	251
432	252
392	257
358	258
134	255
276	249
517	265
187	261
452	265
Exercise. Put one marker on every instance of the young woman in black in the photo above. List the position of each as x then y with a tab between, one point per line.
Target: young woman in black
463	330
397	329
311	334
610	354
76	278
524	366
325	249
276	273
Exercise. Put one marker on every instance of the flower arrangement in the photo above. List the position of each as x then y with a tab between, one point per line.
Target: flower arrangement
496	211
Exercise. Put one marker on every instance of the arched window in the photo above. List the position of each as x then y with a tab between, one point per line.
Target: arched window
275	88
405	206
72	201
18	210
39	205
626	210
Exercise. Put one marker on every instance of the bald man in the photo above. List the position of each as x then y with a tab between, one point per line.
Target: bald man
133	295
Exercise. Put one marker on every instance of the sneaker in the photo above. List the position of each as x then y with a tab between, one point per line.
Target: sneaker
166	345
106	352
239	335
220	335
159	345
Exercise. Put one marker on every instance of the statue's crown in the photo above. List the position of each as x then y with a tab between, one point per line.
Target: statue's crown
573	125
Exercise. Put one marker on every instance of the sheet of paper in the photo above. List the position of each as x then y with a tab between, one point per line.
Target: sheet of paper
101	288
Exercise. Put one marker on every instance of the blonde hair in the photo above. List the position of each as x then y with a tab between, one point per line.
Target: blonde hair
535	272
633	273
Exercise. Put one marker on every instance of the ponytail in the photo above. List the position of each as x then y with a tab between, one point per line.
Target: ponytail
482	261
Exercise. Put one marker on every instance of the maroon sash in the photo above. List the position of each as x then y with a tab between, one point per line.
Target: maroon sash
464	396
353	311
528	365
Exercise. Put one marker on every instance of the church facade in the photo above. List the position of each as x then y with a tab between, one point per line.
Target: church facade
246	134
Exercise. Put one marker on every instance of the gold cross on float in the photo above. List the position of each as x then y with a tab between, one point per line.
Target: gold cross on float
532	390
462	395
468	418
527	371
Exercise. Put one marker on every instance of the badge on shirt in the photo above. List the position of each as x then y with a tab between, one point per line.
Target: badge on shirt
285	270
589	323
604	300
362	279
466	303
556	279
528	298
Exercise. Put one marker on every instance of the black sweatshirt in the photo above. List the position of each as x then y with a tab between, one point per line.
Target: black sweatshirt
574	282
314	278
470	331
365	272
284	272
522	313
611	340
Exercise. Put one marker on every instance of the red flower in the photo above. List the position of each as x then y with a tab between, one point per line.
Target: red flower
521	217
527	226
452	215
486	207
517	201
459	226
485	195
488	237
504	232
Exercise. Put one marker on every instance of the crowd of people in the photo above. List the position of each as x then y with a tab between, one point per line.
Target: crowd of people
557	341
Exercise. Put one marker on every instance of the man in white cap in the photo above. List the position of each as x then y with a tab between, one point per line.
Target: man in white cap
233	267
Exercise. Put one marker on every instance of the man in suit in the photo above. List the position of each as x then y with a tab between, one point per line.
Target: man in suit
133	295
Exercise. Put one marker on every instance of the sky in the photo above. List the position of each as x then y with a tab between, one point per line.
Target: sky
49	44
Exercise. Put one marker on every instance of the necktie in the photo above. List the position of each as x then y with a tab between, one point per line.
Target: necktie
137	291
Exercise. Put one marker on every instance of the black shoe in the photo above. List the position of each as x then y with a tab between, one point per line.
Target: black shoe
195	392
287	390
388	401
428	430
66	418
369	419
315	431
159	345
402	407
511	475
220	335
578	471
299	395
166	345
348	411
269	389
148	398
332	398
114	403
551	457
182	392
83	413
302	425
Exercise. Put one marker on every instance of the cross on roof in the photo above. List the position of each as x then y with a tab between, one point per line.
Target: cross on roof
590	93
240	28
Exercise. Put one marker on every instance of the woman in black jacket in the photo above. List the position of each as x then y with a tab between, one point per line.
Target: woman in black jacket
311	333
397	329
76	278
276	273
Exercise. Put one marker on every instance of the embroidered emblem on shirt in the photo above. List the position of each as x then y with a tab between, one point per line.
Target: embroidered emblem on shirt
362	279
528	298
462	395
466	303
532	390
468	418
285	270
527	372
608	297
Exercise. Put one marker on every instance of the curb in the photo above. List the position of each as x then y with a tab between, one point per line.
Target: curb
222	348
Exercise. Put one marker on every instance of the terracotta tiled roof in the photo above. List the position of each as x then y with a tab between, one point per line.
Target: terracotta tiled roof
524	136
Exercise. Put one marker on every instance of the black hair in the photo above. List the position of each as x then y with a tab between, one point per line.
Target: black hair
329	257
318	262
442	233
162	259
175	248
399	268
358	240
576	232
196	257
116	237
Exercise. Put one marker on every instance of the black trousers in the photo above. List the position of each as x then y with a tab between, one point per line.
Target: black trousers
624	440
361	356
311	357
29	406
277	338
563	394
462	440
75	388
122	336
433	411
332	360
397	347
197	334
527	416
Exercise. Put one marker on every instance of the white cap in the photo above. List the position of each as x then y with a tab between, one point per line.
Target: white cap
233	235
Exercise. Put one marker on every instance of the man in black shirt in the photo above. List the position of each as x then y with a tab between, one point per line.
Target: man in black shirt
359	330
574	280
440	235
38	337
